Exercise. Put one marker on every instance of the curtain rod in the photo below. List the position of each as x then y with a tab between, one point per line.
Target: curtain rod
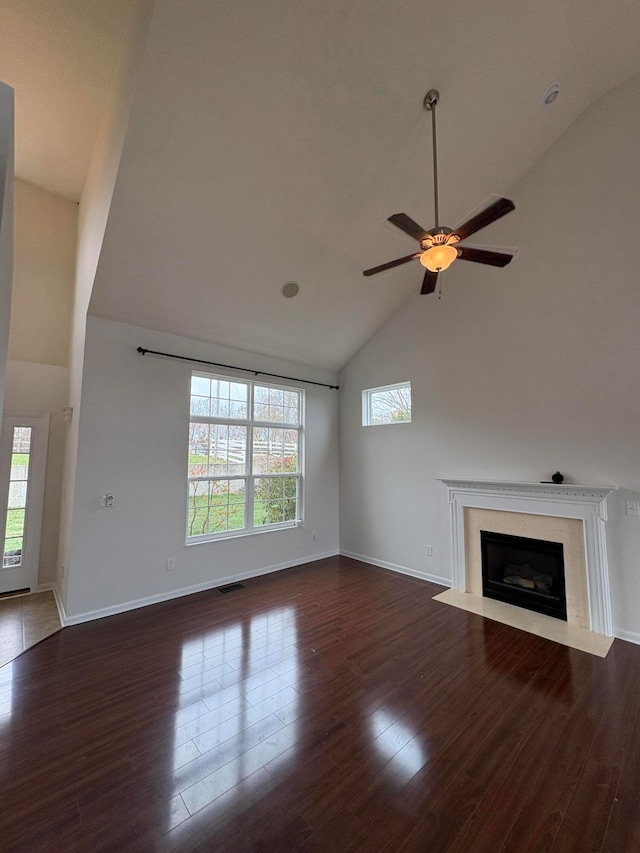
144	351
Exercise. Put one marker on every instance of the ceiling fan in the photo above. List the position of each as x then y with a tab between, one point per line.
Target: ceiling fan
439	245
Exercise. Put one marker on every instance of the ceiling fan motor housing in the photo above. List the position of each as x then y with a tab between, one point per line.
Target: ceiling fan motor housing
439	237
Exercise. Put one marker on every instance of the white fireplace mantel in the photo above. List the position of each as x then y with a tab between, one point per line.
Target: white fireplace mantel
587	503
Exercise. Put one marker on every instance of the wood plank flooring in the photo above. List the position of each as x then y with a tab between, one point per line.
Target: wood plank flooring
24	621
334	707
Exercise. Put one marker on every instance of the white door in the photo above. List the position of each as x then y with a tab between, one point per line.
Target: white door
23	460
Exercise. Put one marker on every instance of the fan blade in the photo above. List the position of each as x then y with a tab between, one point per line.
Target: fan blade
483	256
498	209
405	223
391	264
429	282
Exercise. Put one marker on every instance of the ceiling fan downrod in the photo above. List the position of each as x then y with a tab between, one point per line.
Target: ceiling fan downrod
439	246
430	102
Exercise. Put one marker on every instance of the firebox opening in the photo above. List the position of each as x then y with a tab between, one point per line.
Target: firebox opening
525	572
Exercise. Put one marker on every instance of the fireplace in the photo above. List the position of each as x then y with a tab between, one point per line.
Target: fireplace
550	506
525	572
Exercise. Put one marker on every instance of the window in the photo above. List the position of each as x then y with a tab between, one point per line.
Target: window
245	453
390	404
17	501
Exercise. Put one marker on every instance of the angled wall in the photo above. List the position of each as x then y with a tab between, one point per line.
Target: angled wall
44	267
519	372
92	220
6	223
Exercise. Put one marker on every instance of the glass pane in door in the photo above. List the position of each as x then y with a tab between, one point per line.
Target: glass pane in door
17	502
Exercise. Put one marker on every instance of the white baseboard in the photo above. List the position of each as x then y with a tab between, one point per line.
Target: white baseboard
403	570
619	633
629	636
46	587
90	615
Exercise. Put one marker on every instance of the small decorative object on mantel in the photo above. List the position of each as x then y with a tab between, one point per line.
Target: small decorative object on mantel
556	478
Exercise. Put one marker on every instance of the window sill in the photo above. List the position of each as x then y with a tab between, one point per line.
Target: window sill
240	534
388	423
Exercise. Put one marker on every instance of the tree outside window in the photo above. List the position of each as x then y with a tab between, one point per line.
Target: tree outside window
387	405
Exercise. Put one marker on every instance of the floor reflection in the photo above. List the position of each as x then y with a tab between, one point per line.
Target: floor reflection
24	621
6	693
238	707
397	744
508	661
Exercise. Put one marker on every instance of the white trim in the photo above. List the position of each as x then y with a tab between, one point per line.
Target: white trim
629	636
51	587
560	491
620	633
205	538
394	567
27	572
587	503
366	403
90	615
249	423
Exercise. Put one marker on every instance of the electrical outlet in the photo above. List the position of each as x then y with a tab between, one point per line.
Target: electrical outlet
171	563
429	550
633	507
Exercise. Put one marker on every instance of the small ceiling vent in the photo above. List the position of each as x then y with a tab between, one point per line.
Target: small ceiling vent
290	289
551	94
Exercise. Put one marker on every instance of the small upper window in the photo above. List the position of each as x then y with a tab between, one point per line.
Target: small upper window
390	404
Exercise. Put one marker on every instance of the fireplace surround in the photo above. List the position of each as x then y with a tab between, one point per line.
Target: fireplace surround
585	505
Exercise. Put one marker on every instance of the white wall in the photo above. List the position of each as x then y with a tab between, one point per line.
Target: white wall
44	269
518	372
94	211
37	389
37	373
6	223
133	442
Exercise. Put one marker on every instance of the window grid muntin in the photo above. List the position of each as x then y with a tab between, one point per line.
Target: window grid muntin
250	476
216	505
275	499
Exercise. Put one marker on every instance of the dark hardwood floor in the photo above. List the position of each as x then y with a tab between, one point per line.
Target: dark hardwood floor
334	707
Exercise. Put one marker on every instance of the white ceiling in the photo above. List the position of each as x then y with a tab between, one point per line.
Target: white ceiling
58	55
269	142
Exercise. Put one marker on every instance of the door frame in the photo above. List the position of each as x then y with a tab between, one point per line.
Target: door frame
35	494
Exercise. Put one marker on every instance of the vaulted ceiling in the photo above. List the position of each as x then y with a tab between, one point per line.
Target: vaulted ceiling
268	142
59	55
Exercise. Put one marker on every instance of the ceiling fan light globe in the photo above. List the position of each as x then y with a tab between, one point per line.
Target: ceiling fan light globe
438	258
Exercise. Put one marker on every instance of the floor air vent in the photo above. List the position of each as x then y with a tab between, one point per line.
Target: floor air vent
230	587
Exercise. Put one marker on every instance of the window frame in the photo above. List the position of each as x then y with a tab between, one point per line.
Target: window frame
367	395
248	477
